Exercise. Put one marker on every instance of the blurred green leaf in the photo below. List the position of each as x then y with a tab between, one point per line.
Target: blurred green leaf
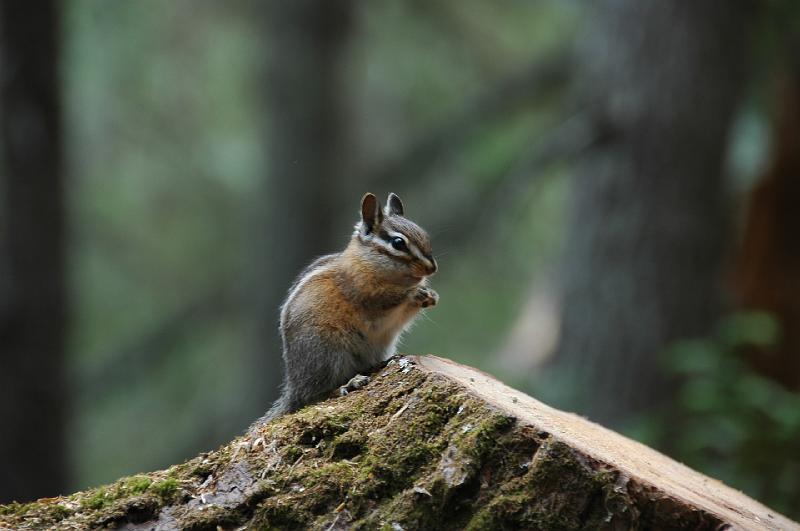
751	328
695	356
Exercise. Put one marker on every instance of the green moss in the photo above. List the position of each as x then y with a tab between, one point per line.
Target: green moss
348	445
274	515
447	487
15	508
124	488
292	453
399	455
211	518
96	500
137	484
338	472
166	489
479	441
313	425
59	512
556	493
201	471
49	512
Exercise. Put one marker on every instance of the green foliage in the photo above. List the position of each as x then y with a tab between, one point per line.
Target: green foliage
734	424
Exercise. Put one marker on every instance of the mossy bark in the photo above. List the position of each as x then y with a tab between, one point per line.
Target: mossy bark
415	449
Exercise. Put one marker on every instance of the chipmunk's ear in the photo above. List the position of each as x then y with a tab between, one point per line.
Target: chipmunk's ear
394	206
371	213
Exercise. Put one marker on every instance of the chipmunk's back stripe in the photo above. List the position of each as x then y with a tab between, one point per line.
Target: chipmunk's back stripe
317	262
323	265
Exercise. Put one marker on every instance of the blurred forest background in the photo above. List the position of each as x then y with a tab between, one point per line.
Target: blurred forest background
612	189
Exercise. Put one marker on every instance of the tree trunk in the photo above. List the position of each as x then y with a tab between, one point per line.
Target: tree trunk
649	224
428	444
308	158
767	275
33	397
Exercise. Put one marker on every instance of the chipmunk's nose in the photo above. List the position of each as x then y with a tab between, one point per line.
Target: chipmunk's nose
433	267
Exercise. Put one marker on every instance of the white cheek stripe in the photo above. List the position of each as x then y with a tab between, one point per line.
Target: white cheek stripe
369	238
416	252
388	246
411	247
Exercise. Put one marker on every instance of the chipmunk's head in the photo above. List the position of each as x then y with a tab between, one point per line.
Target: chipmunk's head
397	245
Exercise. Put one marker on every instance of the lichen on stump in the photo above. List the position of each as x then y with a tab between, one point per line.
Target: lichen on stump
428	444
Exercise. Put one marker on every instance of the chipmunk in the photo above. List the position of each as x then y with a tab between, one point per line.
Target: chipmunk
345	312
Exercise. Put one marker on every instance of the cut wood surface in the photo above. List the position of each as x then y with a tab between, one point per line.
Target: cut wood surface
632	459
428	444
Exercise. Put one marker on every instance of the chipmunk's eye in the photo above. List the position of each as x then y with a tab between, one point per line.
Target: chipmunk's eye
399	244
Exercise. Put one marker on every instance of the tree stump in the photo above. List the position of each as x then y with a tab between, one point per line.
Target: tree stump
428	444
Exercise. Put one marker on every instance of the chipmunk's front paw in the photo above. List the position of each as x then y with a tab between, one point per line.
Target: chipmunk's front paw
426	297
356	382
